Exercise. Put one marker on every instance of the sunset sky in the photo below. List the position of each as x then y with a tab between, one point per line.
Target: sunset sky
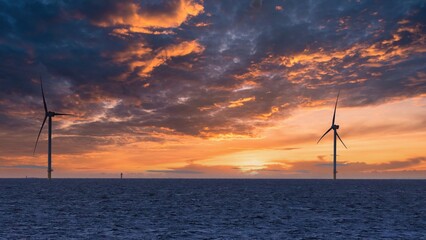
213	89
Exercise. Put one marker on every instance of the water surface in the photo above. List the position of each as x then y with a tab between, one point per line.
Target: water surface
212	209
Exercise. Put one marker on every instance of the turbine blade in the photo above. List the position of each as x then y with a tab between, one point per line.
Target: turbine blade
324	134
64	114
341	140
42	93
335	107
39	132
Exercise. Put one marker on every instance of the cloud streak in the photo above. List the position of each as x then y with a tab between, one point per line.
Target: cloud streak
301	169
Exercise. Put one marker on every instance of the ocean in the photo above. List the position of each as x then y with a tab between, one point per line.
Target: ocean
212	209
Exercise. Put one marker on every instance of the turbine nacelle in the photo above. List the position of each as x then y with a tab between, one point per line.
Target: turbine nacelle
52	114
335	127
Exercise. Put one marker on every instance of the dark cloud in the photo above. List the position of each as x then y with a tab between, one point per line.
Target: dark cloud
124	77
392	165
25	166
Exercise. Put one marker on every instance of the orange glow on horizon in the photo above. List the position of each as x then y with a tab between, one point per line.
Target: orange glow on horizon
289	145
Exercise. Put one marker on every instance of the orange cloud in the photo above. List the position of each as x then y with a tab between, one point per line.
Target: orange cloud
308	57
130	17
181	49
134	51
274	109
240	102
144	60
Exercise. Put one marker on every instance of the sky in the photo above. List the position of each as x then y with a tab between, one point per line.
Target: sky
213	89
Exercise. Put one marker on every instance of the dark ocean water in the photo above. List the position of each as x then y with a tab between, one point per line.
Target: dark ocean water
212	209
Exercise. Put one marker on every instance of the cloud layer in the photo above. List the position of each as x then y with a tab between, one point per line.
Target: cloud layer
141	71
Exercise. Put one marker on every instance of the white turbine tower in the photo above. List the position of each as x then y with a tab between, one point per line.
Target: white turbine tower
334	127
50	115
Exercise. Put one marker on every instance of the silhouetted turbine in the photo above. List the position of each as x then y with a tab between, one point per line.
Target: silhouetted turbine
48	114
334	127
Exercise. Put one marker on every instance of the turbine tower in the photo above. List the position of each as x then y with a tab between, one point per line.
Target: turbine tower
50	115
334	127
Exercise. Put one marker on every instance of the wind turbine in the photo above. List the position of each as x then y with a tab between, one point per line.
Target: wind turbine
50	115
334	127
